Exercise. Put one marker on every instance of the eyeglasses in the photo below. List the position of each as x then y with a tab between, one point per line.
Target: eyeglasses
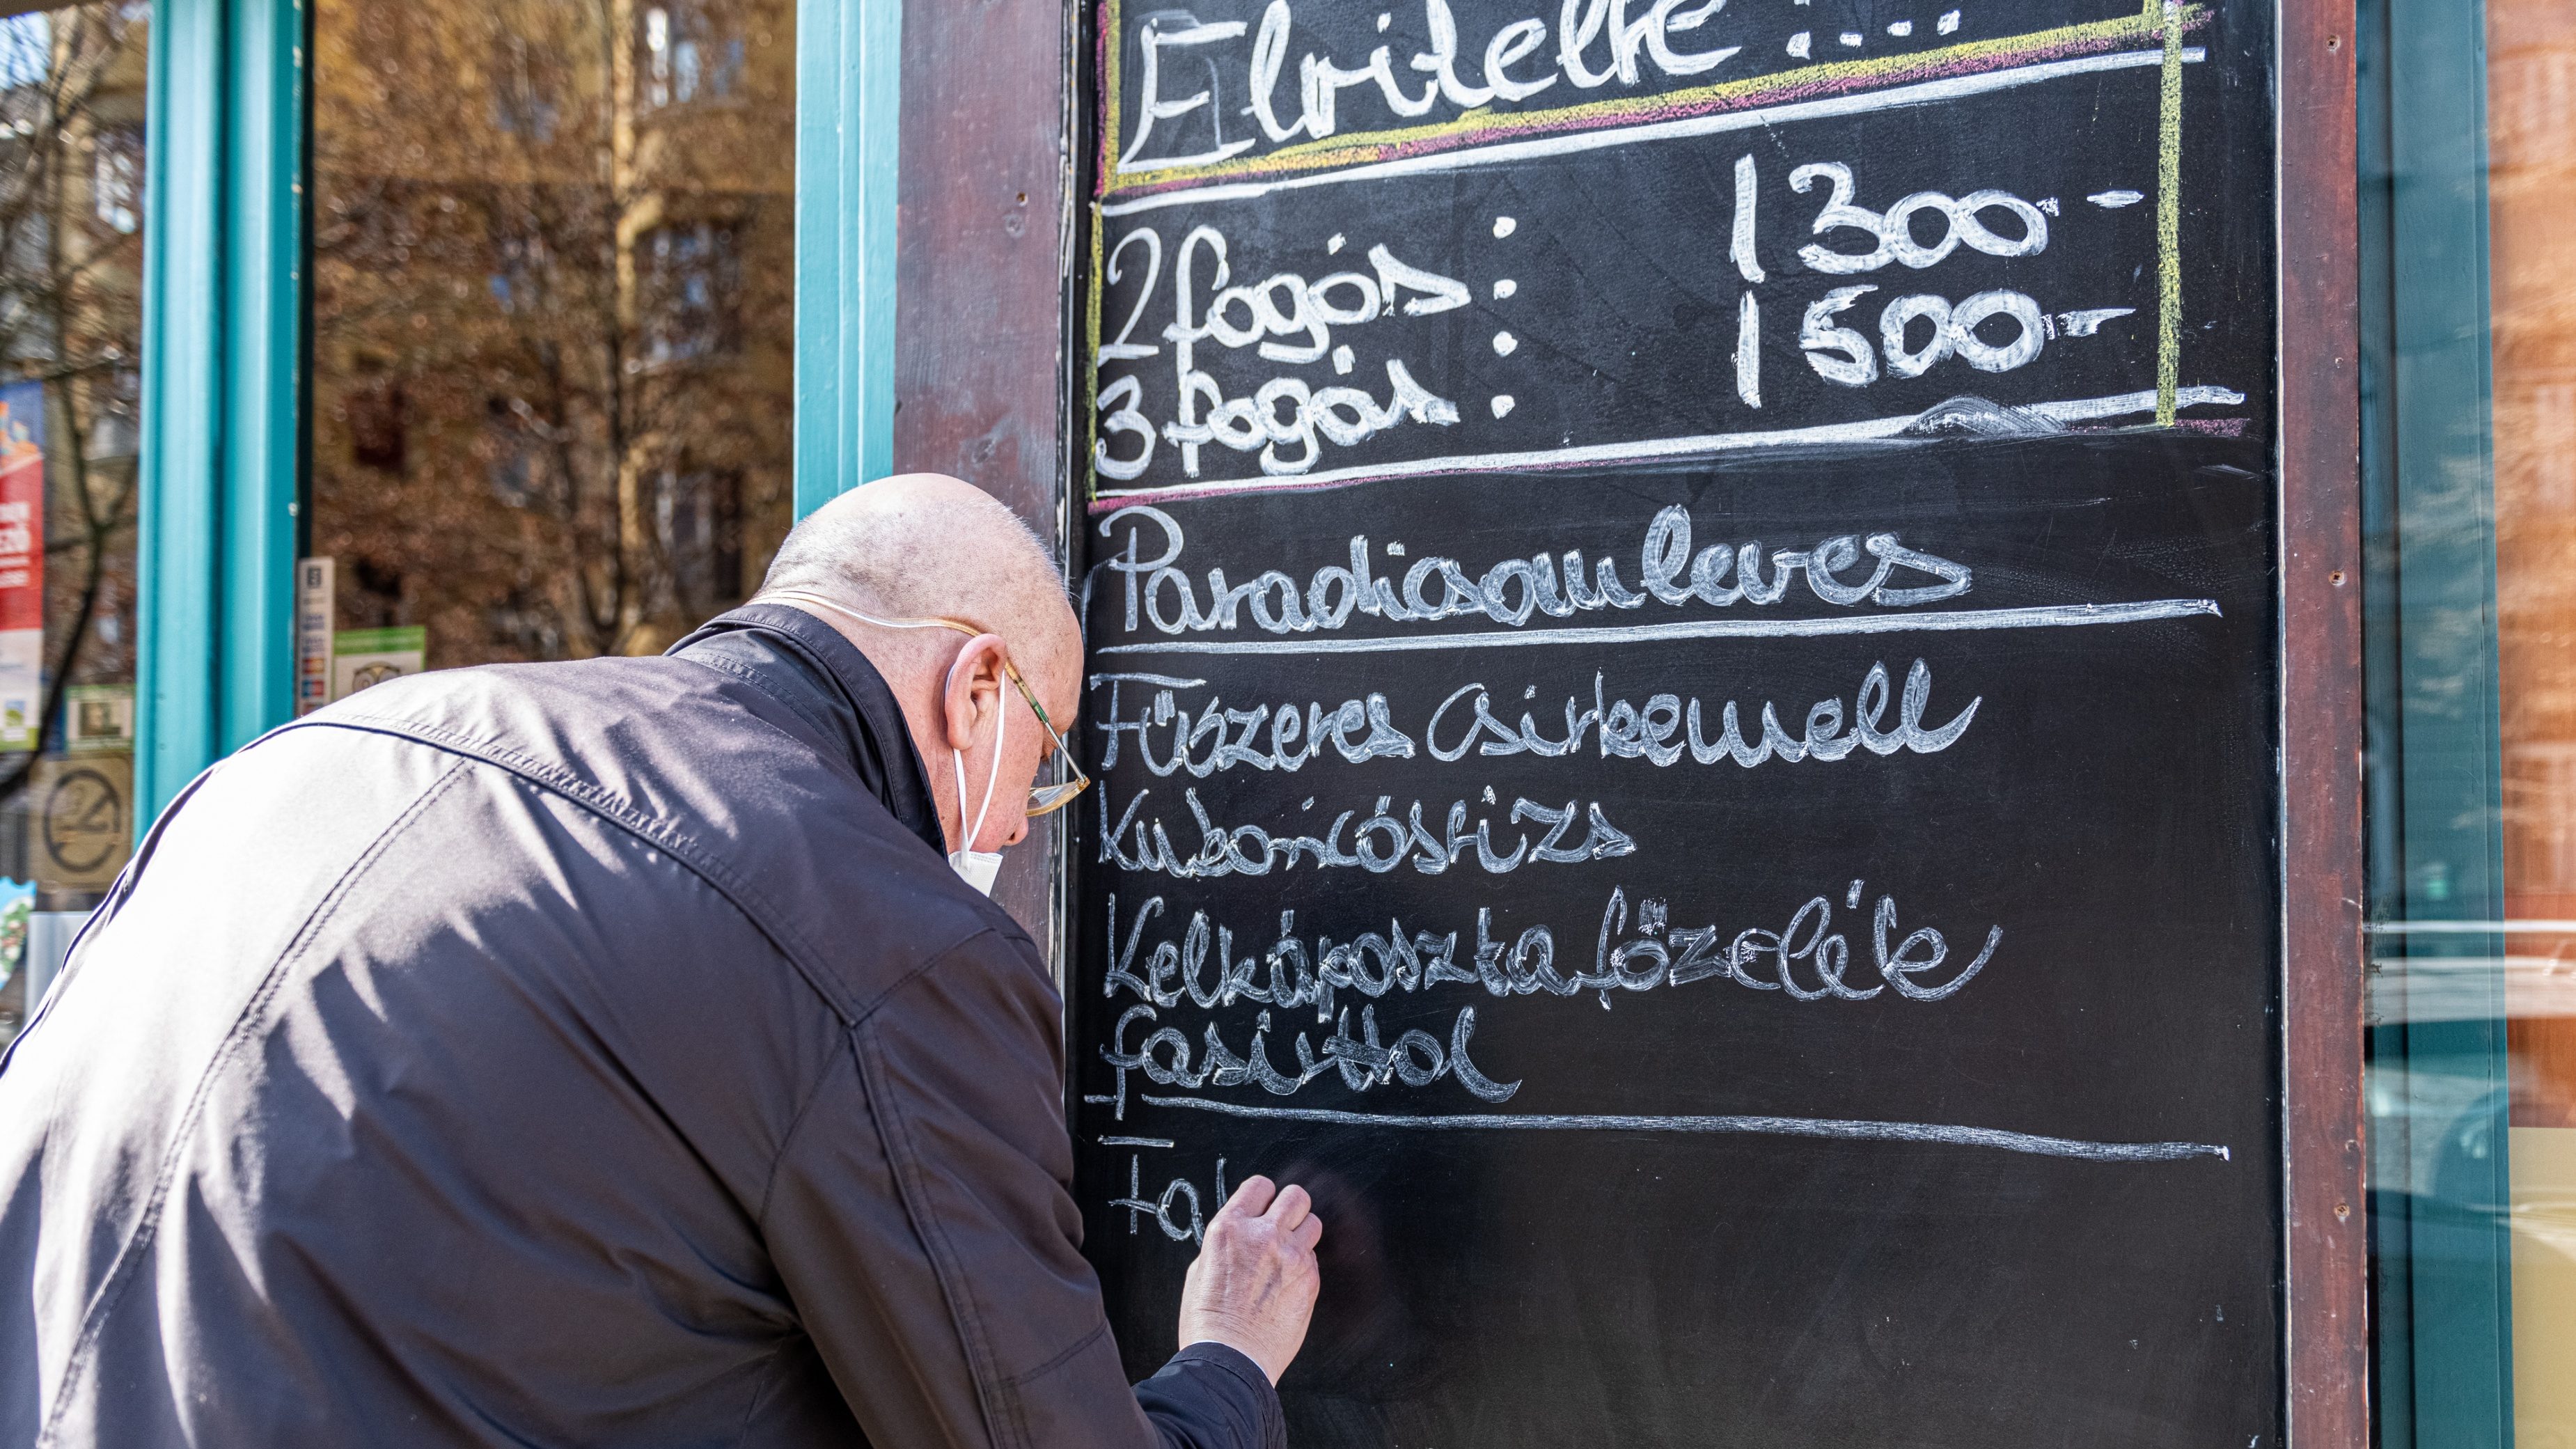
1043	799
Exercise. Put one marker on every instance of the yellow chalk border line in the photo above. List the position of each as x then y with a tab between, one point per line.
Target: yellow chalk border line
2168	211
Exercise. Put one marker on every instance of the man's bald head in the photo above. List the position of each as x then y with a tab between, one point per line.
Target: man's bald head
923	545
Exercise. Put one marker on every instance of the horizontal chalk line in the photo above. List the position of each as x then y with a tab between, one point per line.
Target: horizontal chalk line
1135	1142
1870	430
2038	616
1932	1132
1949	88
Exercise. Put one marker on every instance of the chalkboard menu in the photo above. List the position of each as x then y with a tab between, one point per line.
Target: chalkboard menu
1682	604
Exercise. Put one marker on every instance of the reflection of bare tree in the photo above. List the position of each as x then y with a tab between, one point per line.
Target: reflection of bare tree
553	281
71	195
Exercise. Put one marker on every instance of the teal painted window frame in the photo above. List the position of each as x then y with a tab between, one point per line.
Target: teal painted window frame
2441	1235
849	86
222	382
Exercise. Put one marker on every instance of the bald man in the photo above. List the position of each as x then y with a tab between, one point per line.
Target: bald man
613	1053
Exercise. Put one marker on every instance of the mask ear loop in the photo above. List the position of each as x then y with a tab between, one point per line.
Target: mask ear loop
957	759
1001	726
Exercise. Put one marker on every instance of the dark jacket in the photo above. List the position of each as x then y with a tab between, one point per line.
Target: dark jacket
583	1054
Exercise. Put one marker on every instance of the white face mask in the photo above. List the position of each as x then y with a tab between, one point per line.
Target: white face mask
978	867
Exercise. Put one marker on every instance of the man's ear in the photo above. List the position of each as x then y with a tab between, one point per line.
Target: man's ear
974	690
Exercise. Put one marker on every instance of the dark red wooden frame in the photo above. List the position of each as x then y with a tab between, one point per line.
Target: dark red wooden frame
2326	1232
982	206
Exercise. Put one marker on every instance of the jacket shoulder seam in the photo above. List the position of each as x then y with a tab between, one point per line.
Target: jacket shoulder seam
787	1140
805	1109
932	962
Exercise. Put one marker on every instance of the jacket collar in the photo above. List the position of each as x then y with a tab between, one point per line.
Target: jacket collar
820	676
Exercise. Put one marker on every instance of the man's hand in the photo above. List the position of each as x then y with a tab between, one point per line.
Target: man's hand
1253	1285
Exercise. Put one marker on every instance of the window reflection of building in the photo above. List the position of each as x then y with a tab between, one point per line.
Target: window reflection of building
553	273
72	103
692	294
522	89
2531	196
693	51
2531	149
116	177
698	517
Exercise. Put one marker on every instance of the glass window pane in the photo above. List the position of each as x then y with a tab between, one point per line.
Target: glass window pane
2470	192
2531	207
72	87
553	280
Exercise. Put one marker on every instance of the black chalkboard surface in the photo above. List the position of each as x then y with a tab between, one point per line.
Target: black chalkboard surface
1682	606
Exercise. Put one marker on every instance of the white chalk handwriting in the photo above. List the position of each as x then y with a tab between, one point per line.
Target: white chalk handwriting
1416	1057
1381	842
1807	958
1159	720
1641	956
1286	319
1597	42
1156	591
